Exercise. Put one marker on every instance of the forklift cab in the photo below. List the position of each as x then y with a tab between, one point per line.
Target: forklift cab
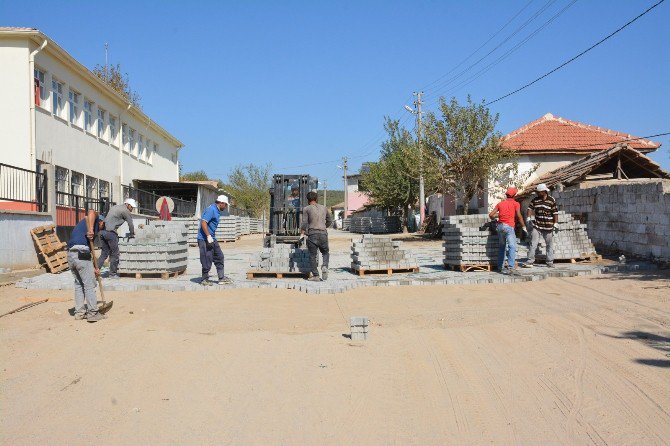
288	195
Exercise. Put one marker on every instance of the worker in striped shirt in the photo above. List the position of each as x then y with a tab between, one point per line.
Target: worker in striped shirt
543	208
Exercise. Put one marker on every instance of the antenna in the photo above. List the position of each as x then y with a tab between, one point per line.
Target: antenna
106	48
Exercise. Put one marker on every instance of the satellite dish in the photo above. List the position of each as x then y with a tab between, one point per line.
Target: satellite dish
159	203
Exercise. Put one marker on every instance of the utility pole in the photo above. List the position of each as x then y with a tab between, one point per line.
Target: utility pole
346	193
422	194
325	193
106	48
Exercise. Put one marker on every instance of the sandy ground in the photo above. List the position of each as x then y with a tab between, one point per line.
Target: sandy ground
564	361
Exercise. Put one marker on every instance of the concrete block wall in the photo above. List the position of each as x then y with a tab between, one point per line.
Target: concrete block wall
631	216
374	252
17	249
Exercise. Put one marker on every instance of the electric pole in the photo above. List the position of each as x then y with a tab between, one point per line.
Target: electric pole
325	193
346	192
106	48
422	194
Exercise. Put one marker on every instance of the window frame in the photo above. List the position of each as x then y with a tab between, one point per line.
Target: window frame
106	189
101	123
132	141
80	186
140	146
43	88
73	107
57	97
88	115
124	138
113	130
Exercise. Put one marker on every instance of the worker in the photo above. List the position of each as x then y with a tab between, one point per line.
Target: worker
508	211
544	208
109	238
293	200
210	251
83	269
315	220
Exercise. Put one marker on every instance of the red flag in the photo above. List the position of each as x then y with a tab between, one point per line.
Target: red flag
165	211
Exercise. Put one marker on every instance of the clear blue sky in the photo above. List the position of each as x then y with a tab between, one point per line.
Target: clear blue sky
303	82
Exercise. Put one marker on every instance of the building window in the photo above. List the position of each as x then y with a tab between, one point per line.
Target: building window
101	122
124	137
88	115
74	107
112	130
62	185
77	184
103	189
40	88
91	187
57	97
131	141
140	147
151	155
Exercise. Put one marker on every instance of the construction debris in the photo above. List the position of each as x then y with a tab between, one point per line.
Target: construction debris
159	248
373	253
51	248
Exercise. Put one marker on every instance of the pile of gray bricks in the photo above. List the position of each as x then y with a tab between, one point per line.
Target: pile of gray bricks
467	240
571	241
374	252
282	258
623	216
375	225
228	229
159	247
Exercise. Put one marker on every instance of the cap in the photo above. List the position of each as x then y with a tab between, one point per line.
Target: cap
511	191
131	202
222	199
542	188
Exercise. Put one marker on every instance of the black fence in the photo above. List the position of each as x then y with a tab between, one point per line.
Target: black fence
146	203
72	209
25	186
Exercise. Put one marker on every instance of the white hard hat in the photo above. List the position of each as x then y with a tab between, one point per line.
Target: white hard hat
222	199
542	188
131	202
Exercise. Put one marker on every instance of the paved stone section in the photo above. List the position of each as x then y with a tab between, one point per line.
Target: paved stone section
374	252
282	258
375	225
571	241
340	278
159	247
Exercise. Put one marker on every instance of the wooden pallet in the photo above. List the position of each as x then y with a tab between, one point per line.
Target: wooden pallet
388	271
257	274
478	267
149	275
51	249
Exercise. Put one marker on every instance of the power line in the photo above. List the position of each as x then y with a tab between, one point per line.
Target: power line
575	57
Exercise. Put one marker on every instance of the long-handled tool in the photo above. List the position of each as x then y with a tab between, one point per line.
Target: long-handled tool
106	306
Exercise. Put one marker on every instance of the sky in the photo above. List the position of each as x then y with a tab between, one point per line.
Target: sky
300	84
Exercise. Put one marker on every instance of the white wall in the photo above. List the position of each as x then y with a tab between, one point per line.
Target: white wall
17	249
15	85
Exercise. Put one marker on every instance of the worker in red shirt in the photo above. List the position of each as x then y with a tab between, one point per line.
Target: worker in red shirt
507	210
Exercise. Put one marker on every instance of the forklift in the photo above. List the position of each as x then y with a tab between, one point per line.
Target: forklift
288	195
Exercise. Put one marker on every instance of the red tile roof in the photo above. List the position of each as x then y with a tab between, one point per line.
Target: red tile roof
552	134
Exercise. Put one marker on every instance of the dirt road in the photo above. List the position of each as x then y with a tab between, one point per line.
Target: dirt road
564	361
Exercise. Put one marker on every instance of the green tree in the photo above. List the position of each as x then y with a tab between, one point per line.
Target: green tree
392	182
198	175
118	80
466	146
249	185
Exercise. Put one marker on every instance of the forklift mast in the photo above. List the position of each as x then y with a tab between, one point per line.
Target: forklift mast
284	214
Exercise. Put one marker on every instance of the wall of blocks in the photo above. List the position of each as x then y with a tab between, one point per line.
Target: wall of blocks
374	252
282	258
159	247
375	225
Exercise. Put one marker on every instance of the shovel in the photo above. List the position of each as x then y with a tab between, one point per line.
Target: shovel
106	306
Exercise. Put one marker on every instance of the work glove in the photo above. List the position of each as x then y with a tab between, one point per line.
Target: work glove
525	232
210	239
555	228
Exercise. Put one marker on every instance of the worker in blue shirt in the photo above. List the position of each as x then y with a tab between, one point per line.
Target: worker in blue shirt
83	270
210	251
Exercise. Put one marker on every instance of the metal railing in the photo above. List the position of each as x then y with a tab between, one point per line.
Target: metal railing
23	186
146	203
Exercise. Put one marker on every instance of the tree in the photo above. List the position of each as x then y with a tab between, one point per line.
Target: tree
198	175
392	182
249	185
466	145
119	81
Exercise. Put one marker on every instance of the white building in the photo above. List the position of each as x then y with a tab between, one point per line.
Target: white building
54	110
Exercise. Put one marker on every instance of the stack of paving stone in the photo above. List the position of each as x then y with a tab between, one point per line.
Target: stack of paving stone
282	258
571	241
227	229
256	225
468	241
374	252
245	225
159	247
359	328
375	225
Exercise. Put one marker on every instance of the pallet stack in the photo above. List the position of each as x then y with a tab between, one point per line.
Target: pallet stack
160	248
375	225
52	250
571	242
469	243
373	253
282	258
